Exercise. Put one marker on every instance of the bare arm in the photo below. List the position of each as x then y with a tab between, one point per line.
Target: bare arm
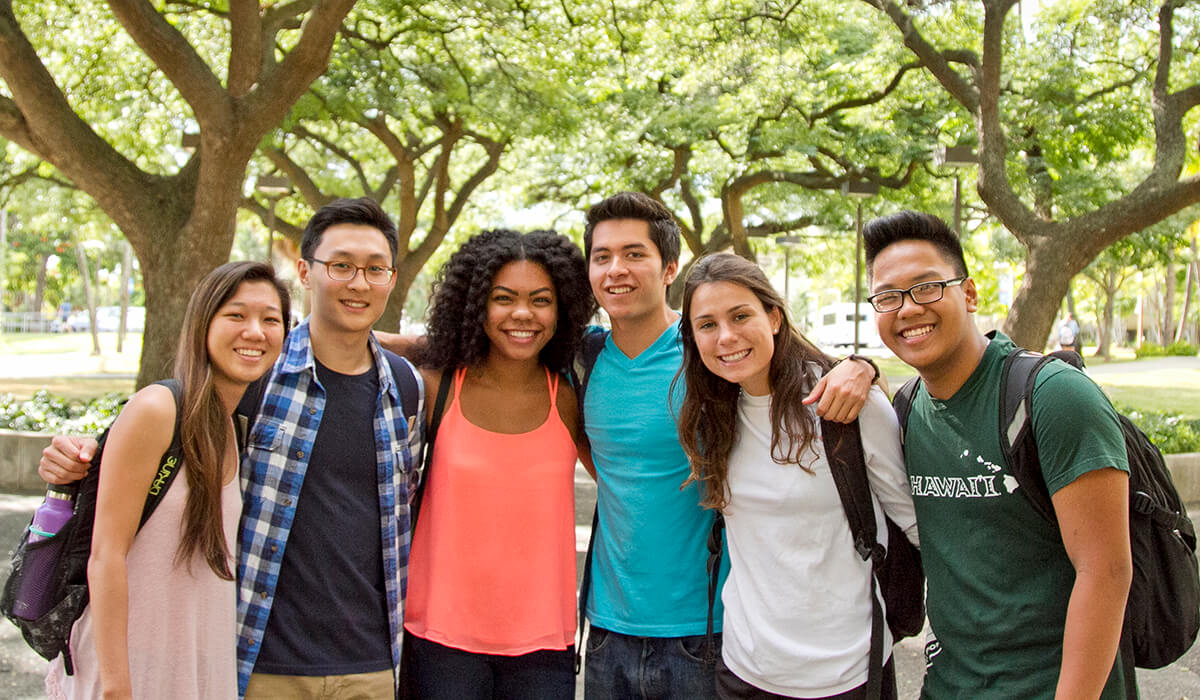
568	410
841	393
402	345
1093	515
138	437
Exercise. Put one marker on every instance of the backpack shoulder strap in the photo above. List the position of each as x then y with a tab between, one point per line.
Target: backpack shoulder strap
585	360
405	376
1018	378
843	449
848	465
902	403
580	372
169	465
426	460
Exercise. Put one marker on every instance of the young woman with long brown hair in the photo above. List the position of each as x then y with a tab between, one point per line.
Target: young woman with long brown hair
798	612
160	623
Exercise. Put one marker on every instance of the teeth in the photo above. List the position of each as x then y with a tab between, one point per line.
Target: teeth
521	334
735	356
249	353
356	304
916	332
620	290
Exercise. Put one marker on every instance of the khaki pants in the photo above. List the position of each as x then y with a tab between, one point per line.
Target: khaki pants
356	686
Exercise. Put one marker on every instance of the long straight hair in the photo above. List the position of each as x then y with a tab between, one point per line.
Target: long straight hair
708	416
204	422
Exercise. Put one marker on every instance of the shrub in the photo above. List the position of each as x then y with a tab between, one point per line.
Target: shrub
47	413
1179	347
1170	432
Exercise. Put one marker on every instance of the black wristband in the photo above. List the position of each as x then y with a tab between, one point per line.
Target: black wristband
861	358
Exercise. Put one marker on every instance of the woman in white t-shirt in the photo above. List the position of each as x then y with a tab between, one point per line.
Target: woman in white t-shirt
797	601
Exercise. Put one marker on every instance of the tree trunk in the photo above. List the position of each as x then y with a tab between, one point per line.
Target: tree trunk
1168	302
88	295
126	276
39	289
1104	342
177	249
1193	271
1048	274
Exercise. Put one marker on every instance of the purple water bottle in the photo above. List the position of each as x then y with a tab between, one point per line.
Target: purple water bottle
33	596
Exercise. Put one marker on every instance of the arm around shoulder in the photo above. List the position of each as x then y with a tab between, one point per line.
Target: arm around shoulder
886	472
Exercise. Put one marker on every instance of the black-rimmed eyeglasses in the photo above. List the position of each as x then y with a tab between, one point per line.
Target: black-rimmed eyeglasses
342	271
924	293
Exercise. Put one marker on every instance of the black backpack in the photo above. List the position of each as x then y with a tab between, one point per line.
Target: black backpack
581	371
897	570
70	547
1162	616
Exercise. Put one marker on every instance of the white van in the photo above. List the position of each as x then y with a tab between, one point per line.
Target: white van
834	326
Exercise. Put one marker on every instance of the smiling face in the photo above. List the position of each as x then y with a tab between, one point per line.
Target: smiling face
735	335
246	334
626	271
351	306
936	339
522	311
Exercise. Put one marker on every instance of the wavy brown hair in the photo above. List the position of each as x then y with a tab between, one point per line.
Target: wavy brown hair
708	416
204	423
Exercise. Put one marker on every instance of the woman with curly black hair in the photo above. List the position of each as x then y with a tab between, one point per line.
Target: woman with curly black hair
491	590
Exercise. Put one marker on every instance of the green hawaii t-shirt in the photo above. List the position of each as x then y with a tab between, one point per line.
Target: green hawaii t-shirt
999	579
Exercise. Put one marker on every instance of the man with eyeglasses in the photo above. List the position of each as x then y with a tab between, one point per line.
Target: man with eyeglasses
325	531
1019	607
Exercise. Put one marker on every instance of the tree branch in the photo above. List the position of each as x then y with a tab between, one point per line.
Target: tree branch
937	62
175	57
872	98
247	46
283	83
312	194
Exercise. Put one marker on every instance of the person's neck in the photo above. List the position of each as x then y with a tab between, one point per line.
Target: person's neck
229	394
633	335
945	383
509	374
340	351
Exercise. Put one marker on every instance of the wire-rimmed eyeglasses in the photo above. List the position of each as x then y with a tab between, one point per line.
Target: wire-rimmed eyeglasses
342	271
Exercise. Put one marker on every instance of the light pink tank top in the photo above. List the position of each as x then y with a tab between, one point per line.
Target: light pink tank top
492	567
182	643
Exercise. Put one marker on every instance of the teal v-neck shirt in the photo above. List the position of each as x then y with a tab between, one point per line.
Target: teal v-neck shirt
648	568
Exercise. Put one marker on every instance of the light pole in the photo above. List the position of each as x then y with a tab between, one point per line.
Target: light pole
859	190
275	187
786	242
956	157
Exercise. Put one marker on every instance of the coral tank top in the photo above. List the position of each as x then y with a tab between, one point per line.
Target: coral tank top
492	567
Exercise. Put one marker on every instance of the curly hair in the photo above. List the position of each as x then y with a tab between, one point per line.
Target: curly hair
708	417
455	331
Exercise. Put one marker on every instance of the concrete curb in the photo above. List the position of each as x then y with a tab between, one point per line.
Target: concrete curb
20	452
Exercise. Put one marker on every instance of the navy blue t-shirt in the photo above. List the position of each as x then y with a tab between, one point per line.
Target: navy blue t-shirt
329	616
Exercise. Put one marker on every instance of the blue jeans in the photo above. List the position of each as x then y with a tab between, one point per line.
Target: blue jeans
441	672
621	667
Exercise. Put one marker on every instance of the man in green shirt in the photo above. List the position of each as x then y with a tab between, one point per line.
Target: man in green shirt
1018	607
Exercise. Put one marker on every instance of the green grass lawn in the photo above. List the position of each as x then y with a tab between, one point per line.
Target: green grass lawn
1175	391
39	343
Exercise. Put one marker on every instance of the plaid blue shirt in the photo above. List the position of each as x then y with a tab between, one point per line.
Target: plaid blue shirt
273	468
